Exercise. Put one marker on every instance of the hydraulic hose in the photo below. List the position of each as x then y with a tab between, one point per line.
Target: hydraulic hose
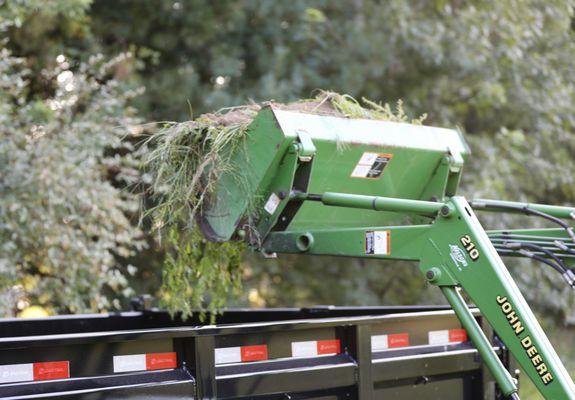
528	211
560	266
567	274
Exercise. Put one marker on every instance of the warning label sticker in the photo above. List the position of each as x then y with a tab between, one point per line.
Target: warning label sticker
371	165
377	242
272	204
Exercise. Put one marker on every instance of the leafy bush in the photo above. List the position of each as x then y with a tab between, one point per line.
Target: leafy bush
63	216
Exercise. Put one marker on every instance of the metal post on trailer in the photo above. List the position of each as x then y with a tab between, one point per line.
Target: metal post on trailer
362	350
205	367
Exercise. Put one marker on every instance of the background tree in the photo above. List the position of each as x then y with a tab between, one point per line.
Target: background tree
500	72
65	224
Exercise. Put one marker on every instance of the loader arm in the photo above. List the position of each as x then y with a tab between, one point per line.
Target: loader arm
454	253
462	254
315	184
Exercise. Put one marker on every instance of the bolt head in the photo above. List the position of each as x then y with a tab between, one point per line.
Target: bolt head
433	274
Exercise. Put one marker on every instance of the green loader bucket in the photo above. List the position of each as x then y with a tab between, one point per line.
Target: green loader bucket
287	150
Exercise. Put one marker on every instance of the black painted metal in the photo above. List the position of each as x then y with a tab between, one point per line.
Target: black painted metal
336	372
101	385
205	368
90	342
154	319
362	353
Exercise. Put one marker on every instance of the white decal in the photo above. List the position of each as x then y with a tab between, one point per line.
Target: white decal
458	256
272	204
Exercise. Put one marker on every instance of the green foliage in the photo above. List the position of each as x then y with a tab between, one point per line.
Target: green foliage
501	71
64	221
346	106
198	273
185	160
16	12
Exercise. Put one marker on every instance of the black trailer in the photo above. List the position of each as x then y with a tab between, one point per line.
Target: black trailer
315	353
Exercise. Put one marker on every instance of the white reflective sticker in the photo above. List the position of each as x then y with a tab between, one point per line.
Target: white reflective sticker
377	242
371	165
134	362
361	171
16	373
380	242
272	203
438	337
228	355
304	349
379	342
368	158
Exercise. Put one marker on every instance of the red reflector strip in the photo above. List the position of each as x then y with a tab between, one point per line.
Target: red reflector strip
315	348
328	347
457	335
447	336
45	371
392	341
398	340
41	371
145	362
161	361
229	355
254	353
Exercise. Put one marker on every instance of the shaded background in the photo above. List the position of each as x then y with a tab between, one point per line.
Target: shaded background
80	79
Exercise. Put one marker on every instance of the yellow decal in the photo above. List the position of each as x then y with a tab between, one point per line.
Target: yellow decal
526	342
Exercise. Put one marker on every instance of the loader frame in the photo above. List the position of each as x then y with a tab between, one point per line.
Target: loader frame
456	254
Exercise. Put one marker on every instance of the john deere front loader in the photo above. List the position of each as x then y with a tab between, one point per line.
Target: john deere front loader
324	185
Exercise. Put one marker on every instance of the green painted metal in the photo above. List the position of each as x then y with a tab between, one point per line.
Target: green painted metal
302	185
477	336
443	249
490	286
424	161
281	184
256	163
405	242
427	208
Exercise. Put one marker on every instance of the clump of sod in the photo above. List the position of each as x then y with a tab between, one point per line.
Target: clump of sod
185	161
